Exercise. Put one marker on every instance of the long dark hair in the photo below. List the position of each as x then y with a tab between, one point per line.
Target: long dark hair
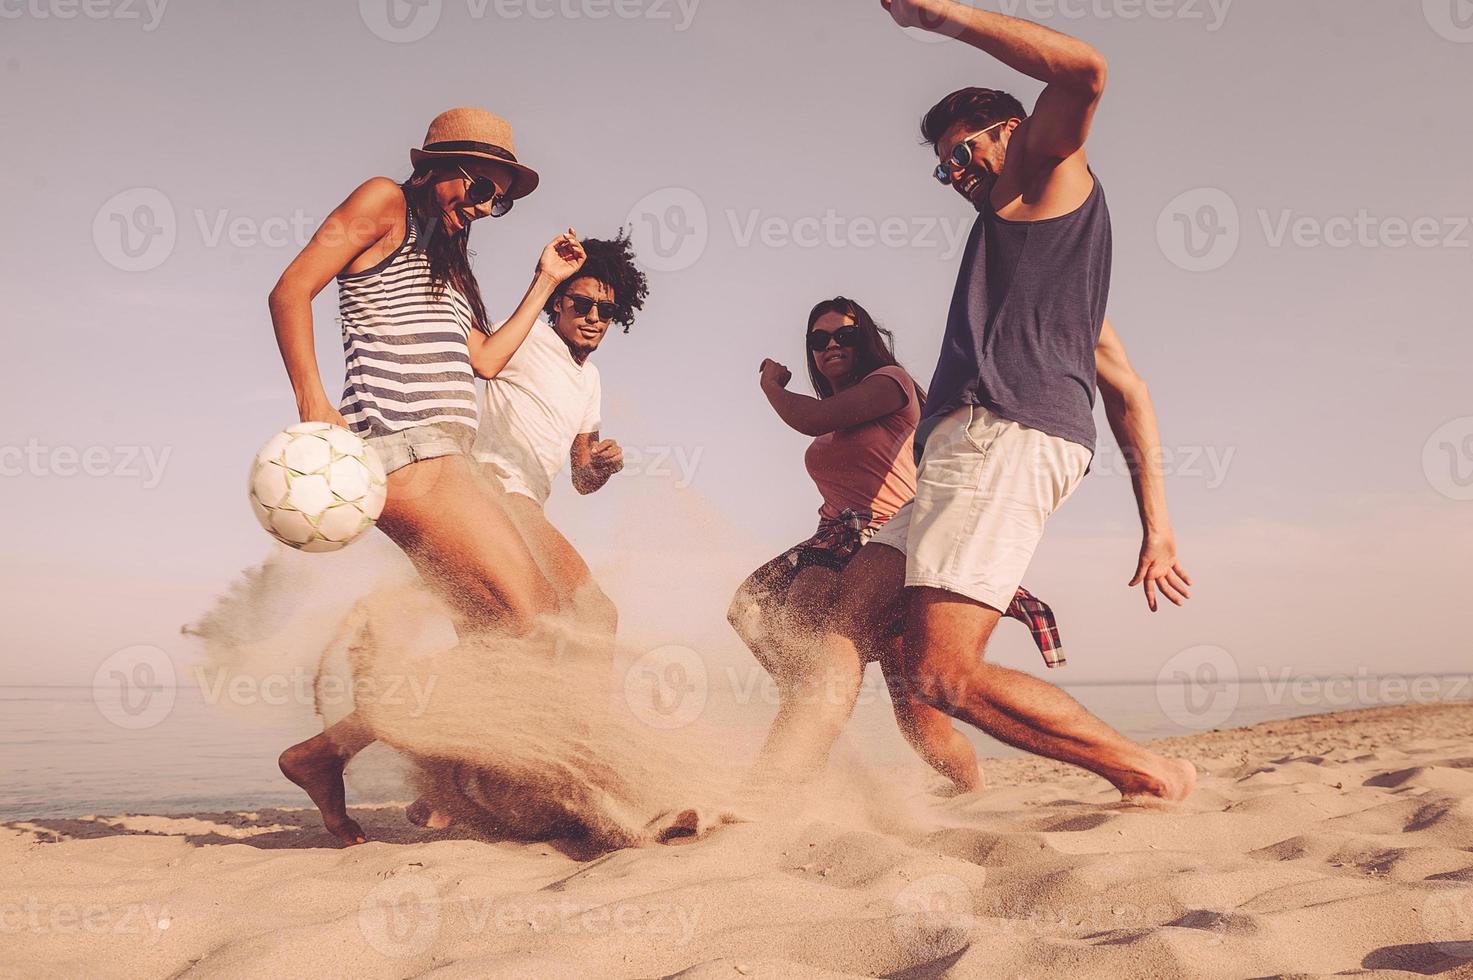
876	347
449	255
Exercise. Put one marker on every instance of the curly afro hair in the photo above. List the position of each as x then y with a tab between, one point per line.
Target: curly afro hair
980	107
611	262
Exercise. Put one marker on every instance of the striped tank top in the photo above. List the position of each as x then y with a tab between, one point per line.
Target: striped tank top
408	359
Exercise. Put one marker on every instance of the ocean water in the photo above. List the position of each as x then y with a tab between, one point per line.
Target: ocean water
73	751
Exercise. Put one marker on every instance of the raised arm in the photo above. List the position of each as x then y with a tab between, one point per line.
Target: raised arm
367	216
872	398
1132	418
562	257
1073	72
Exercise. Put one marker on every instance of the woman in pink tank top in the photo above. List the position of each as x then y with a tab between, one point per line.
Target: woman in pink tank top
862	461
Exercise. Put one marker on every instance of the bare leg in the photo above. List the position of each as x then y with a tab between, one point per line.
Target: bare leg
455	530
944	634
577	591
863	604
317	766
755	607
816	693
930	731
464	545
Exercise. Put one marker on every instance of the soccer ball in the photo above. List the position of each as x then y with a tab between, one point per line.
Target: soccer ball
317	487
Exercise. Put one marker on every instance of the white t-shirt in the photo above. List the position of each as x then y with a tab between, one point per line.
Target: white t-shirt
531	411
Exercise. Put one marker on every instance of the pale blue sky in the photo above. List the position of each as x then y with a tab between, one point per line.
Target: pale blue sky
1301	381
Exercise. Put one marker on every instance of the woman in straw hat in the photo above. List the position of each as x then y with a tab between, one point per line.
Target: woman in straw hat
415	336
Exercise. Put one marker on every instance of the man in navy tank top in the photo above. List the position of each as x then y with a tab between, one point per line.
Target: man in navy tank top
1008	431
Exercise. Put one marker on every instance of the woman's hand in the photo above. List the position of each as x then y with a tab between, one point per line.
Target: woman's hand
774	373
562	257
321	411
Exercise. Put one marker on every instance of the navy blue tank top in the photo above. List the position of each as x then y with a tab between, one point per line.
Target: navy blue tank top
1025	318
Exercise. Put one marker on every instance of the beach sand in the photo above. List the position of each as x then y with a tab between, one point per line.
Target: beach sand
1323	845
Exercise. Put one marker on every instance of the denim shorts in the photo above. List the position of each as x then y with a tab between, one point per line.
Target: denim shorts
397	450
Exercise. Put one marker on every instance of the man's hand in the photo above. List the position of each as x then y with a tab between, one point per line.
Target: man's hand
606	458
925	14
1160	568
774	373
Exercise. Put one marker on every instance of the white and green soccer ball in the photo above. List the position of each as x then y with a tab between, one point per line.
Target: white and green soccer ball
317	487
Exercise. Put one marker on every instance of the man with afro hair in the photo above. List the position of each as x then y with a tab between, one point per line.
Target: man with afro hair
543	408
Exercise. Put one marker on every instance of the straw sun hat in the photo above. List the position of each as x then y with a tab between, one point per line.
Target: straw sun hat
475	133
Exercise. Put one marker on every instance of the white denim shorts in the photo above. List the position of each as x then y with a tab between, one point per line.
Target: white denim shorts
398	449
984	490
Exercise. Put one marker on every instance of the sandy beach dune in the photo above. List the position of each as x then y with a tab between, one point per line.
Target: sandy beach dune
1333	844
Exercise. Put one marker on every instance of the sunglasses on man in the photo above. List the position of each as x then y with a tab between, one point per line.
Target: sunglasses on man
845	336
582	304
961	155
483	189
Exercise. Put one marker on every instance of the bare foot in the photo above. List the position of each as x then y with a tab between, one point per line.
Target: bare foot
1169	780
961	787
422	814
316	766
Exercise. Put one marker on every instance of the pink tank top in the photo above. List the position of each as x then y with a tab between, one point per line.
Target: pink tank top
870	467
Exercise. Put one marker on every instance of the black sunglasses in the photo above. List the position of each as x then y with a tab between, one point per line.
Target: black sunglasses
483	189
845	336
606	308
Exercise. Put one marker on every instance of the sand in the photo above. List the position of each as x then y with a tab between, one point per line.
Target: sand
1324	845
